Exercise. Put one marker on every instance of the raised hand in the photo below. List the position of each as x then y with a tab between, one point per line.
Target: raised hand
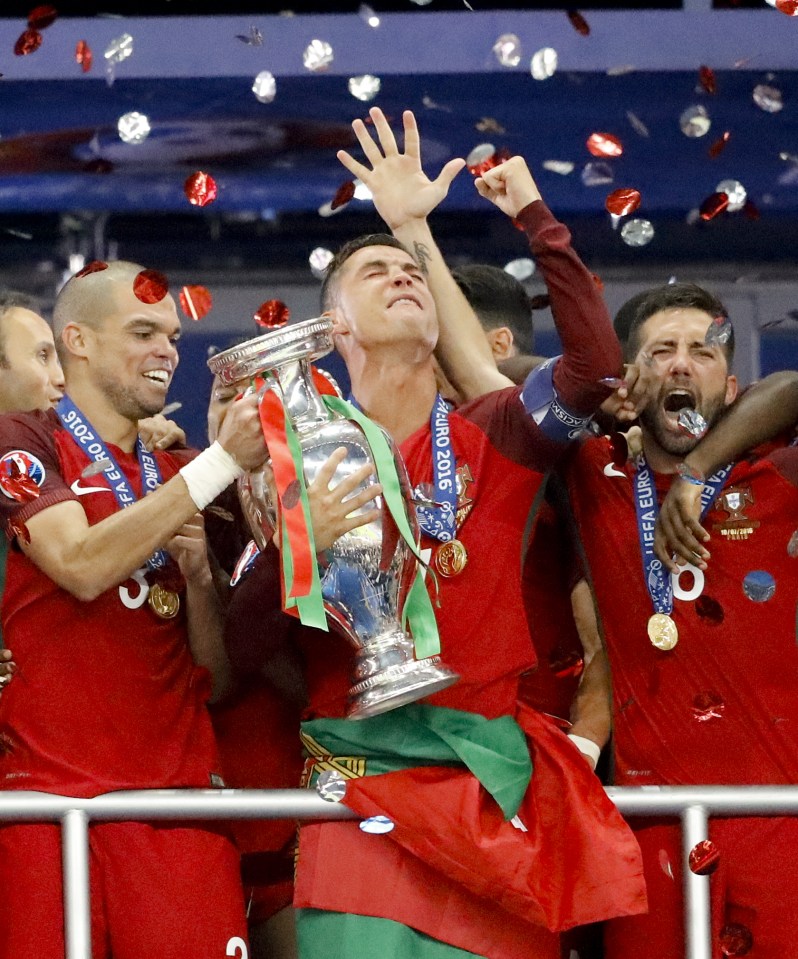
401	189
509	186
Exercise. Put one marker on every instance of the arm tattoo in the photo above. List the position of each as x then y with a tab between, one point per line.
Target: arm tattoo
422	254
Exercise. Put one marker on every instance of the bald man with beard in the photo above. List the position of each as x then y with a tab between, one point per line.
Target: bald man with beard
108	637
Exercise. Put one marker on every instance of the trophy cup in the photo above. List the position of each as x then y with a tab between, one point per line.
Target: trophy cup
369	571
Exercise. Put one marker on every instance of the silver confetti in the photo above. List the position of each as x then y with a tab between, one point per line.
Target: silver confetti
98	466
331	785
377	825
543	64
318	56
736	193
718	332
694	121
171	408
759	586
133	127
563	167
768	98
692	422
596	173
366	14
364	87
119	49
252	39
508	50
637	124
319	260
265	86
520	269
637	232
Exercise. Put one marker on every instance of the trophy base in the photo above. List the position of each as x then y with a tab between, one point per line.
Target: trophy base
398	685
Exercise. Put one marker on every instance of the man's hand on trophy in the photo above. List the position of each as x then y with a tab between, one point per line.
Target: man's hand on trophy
241	434
400	188
332	506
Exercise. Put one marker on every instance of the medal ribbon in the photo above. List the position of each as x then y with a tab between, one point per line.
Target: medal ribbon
439	518
86	437
658	580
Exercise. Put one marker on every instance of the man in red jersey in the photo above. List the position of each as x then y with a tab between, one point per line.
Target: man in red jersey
461	870
703	657
107	695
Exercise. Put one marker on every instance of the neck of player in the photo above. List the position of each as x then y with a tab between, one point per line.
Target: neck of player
660	460
397	395
112	426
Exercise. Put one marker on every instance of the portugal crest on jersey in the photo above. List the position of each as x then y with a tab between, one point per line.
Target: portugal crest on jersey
21	475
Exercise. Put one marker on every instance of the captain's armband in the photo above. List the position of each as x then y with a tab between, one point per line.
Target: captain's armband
542	403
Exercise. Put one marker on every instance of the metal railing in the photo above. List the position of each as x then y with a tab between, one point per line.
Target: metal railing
693	805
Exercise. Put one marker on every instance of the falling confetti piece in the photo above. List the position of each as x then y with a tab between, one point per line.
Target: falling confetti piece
719	145
265	86
623	202
489	125
563	167
521	269
695	122
318	56
368	16
692	423
319	260
719	331
707	79
485	157
41	17
171	408
252	39
83	55
597	174
364	87
704	858
119	49
195	301
768	98
790	7
579	23
272	314
97	467
508	50
637	124
200	189
95	266
150	286
343	195
133	127
736	193
735	939
637	232
604	145
27	43
714	204
543	64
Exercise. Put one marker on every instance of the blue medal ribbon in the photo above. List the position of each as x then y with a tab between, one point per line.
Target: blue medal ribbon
86	437
438	518
658	580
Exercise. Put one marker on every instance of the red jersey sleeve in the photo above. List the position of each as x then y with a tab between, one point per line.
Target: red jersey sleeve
27	446
591	350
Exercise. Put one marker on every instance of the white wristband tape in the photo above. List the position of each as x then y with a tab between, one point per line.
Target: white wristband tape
210	473
586	746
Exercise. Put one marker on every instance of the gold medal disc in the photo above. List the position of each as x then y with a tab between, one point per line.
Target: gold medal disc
451	558
163	602
662	631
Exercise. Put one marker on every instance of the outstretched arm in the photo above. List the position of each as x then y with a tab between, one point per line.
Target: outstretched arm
404	197
762	413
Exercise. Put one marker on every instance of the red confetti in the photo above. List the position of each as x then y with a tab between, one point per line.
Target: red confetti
150	286
272	314
343	195
18	485
200	188
28	42
566	662
622	202
196	301
714	204
719	145
20	530
735	939
707	706
710	610
41	17
790	7
95	266
83	55
751	210
704	858
707	79
292	495
579	23
604	145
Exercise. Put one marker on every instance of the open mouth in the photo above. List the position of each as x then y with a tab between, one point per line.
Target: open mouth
678	400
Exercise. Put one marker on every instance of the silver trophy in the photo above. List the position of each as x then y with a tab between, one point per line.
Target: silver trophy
368	571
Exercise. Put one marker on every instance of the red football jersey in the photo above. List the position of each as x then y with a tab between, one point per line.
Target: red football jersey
721	707
106	695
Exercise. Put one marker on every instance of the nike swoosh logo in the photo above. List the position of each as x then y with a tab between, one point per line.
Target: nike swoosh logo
79	490
610	470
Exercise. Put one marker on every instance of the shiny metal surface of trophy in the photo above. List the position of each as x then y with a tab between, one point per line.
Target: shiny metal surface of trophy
369	570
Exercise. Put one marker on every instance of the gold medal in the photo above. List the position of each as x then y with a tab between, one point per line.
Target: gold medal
163	602
451	558
662	631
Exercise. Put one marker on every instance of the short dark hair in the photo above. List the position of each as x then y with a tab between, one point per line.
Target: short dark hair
675	296
9	300
349	248
498	299
625	316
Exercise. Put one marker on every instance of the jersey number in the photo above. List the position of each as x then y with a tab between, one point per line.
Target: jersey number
138	597
238	948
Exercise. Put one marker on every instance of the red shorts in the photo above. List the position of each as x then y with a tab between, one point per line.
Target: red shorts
753	886
157	890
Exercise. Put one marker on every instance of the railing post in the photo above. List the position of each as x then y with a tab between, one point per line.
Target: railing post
697	920
77	909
